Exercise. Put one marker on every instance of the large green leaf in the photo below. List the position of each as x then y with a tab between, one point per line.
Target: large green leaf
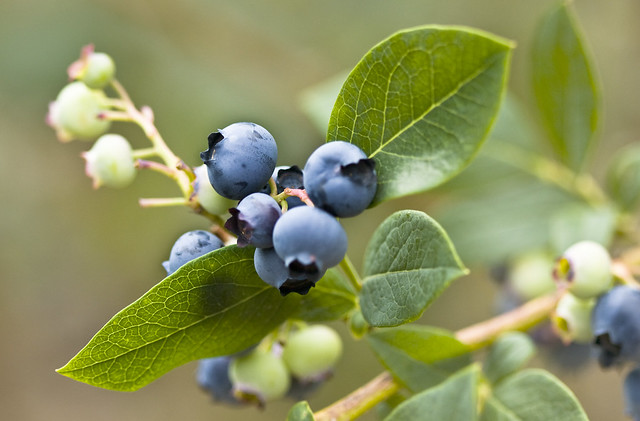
213	305
565	86
532	395
508	354
454	400
420	357
331	299
408	263
420	104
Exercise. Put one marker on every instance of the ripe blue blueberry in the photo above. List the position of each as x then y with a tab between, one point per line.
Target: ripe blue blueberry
309	241
253	220
189	246
271	269
632	394
240	159
213	377
616	326
340	179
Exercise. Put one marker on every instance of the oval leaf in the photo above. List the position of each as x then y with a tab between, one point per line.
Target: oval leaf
532	395
565	86
508	354
454	400
214	305
408	263
420	357
420	104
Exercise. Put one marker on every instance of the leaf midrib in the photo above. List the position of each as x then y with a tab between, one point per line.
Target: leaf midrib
433	106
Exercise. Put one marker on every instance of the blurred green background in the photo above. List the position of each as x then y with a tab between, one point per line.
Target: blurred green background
71	257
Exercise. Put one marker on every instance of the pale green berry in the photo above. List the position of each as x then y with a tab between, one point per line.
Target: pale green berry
531	275
572	319
110	162
312	352
74	114
260	375
209	199
586	268
99	70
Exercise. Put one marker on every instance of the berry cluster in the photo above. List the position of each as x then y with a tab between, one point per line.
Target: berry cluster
77	113
289	214
591	310
269	372
295	365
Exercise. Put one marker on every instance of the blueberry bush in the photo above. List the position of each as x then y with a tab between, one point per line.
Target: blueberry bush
249	294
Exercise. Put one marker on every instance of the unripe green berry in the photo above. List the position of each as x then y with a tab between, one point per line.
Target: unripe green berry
531	275
572	319
74	114
586	268
110	162
99	70
260	375
312	352
209	199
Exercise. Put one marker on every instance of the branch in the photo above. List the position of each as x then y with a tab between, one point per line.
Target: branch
475	336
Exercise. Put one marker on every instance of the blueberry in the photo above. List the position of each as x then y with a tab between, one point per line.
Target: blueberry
240	159
309	241
632	394
213	376
209	199
271	269
530	275
586	268
189	246
110	162
96	70
253	220
260	376
616	326
340	179
289	177
74	113
572	319
312	352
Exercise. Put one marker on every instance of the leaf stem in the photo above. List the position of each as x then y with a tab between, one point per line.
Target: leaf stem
475	336
349	269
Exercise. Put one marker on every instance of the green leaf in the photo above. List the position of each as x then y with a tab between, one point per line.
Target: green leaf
565	86
508	354
454	400
532	395
577	222
300	412
420	104
331	299
420	357
214	305
408	263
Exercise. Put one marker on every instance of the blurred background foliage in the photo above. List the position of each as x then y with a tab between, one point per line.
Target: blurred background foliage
71	257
